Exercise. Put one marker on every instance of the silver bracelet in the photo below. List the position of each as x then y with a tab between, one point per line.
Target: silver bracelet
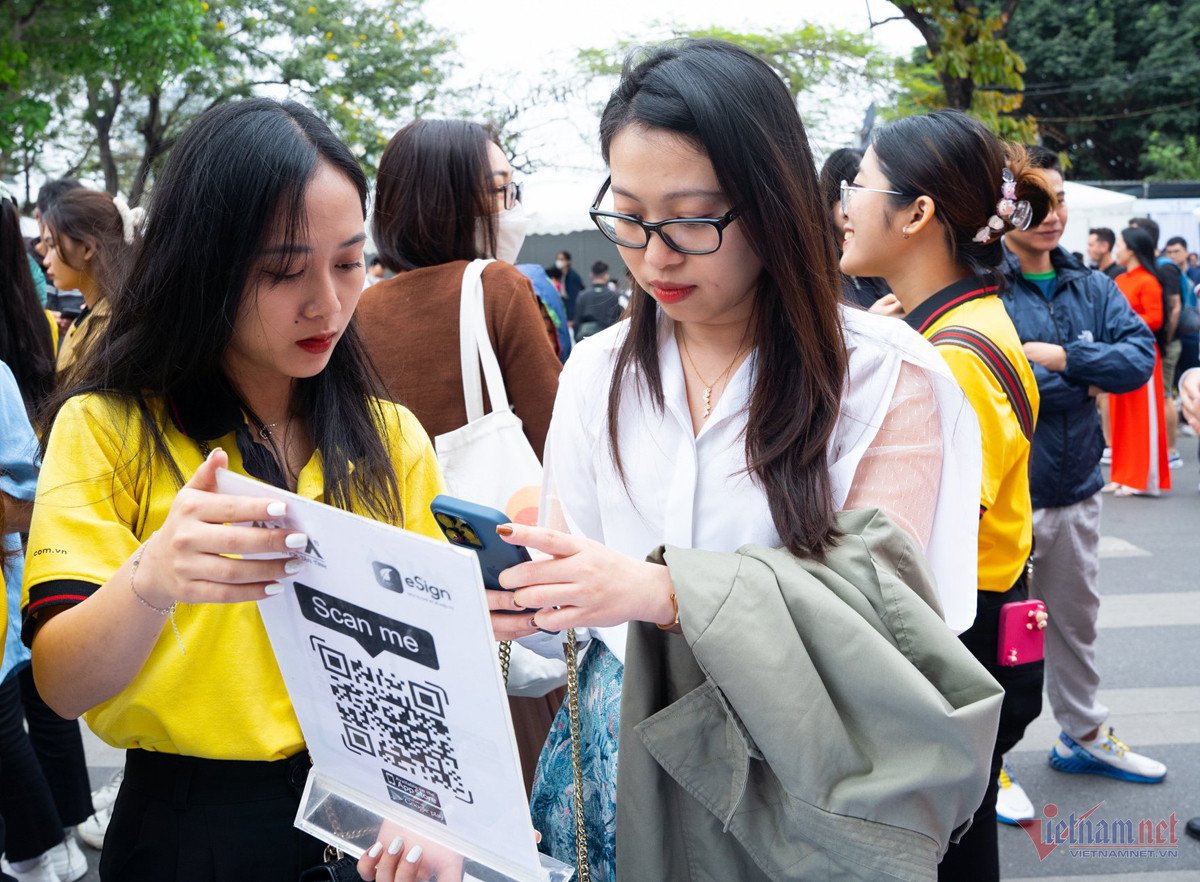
167	612
163	611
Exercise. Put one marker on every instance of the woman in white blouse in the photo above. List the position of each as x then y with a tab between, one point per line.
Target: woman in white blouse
739	403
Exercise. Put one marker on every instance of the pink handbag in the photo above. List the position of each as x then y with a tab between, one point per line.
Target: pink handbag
1020	640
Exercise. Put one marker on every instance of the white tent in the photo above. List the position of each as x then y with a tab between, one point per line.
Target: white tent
558	203
1081	197
1090	207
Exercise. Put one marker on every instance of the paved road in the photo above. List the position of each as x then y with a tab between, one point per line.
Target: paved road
1150	681
1150	631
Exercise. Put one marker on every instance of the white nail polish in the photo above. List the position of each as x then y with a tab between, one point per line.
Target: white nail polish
414	855
396	845
277	509
375	849
273	589
296	540
293	566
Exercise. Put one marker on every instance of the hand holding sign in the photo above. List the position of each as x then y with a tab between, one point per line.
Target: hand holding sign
400	855
187	559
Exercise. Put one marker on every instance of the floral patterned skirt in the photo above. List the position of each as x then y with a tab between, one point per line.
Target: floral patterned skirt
553	802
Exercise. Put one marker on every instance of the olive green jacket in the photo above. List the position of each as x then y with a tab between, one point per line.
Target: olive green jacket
814	720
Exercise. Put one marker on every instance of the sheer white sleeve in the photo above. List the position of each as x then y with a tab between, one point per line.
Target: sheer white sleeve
900	472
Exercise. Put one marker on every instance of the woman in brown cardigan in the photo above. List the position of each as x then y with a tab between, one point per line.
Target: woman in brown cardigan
445	196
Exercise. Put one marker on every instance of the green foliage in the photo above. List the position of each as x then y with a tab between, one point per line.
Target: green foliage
967	64
811	57
1102	76
138	71
361	66
1172	159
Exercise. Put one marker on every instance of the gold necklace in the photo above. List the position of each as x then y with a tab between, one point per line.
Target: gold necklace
708	387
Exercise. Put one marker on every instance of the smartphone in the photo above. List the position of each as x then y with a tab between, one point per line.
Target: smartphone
473	526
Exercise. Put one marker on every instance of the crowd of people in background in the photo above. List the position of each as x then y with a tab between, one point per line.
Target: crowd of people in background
900	332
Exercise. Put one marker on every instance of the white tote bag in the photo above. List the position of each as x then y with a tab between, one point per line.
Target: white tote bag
489	461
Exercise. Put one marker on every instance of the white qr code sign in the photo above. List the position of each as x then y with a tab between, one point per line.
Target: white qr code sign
384	642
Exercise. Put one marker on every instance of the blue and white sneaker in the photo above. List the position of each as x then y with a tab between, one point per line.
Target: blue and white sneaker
1012	804
1104	756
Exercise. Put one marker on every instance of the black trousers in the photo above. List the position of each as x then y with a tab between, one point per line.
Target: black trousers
976	857
200	820
43	772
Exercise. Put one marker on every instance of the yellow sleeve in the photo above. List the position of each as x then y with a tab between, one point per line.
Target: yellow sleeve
87	506
417	471
998	424
53	333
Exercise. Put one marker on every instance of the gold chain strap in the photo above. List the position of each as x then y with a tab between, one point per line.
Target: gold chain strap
582	871
505	654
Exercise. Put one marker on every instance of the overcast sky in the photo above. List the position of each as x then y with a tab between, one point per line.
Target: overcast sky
520	42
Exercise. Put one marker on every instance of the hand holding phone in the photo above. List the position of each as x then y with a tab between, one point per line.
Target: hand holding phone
473	526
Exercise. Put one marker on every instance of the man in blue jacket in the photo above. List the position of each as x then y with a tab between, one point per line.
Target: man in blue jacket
1082	338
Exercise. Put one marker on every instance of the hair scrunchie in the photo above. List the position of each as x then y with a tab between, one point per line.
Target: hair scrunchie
1017	212
131	218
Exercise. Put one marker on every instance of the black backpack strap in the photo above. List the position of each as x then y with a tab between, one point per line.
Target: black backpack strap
998	363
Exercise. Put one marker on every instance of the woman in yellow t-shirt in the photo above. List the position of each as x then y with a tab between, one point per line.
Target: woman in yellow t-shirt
232	346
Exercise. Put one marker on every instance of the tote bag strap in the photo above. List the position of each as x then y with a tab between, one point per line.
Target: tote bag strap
475	348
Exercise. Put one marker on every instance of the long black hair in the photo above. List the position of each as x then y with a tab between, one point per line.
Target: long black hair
957	162
238	174
1142	243
734	108
26	342
434	195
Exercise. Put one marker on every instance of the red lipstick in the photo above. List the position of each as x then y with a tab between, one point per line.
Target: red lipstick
316	345
668	292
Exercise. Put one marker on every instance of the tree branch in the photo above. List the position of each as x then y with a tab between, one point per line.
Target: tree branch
73	170
27	17
1006	14
923	26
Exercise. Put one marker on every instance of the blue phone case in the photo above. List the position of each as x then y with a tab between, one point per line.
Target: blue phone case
473	526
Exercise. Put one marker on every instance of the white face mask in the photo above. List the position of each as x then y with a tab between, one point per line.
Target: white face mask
561	264
510	233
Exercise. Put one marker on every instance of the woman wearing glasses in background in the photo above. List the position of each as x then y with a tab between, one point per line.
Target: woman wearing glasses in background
445	196
739	403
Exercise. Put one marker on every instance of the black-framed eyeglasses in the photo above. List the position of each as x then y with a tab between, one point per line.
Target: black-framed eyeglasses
512	193
687	235
849	190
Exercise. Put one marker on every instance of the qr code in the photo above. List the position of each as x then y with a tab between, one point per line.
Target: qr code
402	722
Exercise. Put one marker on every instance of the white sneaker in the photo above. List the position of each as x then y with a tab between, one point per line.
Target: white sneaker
69	862
107	795
38	869
91	832
1106	456
1104	756
1012	805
